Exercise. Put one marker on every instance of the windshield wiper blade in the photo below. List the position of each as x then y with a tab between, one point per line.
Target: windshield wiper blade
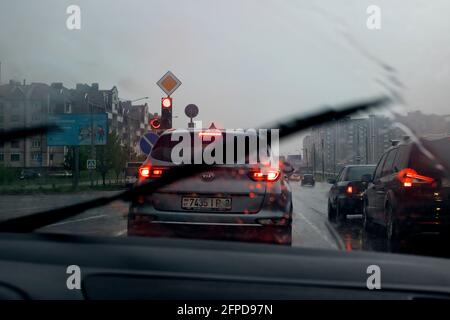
38	220
21	133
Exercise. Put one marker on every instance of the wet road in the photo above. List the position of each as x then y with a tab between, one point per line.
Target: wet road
310	224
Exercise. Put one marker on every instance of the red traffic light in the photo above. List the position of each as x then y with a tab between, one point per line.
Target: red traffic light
166	102
155	123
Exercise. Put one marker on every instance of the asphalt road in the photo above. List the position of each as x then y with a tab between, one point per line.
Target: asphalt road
310	224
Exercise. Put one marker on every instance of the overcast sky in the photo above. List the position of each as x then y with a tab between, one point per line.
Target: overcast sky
244	63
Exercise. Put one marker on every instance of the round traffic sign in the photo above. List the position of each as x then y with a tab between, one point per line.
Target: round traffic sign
147	142
191	110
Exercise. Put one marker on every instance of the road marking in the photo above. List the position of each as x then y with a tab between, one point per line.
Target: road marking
77	220
319	232
120	233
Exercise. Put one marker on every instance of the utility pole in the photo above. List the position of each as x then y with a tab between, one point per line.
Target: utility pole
91	107
323	159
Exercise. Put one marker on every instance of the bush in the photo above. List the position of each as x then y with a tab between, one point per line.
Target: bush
8	175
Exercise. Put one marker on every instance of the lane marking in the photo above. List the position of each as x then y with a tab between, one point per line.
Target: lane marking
318	231
336	235
120	233
77	220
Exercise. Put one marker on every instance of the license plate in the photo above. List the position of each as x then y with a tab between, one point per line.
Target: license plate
191	203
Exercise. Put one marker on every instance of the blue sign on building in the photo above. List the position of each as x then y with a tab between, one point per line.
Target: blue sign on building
75	129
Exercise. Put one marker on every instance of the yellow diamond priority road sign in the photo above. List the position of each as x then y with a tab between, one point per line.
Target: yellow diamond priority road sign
169	83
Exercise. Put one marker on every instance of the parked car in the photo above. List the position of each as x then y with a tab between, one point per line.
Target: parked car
409	193
308	180
28	174
346	193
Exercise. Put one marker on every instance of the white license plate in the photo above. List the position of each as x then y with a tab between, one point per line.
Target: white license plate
191	203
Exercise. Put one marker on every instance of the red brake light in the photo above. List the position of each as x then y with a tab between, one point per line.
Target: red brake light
270	175
209	133
349	189
144	172
148	172
409	176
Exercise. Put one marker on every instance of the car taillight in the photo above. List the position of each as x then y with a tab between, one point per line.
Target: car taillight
349	189
149	172
144	172
269	175
409	176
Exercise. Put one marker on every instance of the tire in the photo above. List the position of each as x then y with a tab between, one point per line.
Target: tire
392	232
331	213
367	221
284	237
340	215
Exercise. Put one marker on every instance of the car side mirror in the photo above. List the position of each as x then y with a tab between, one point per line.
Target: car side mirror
366	178
331	181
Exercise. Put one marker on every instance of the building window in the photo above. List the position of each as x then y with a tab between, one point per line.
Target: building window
15	144
2	157
15	157
36	156
36	117
15	118
36	143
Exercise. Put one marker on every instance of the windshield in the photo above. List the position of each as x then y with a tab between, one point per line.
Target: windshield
328	91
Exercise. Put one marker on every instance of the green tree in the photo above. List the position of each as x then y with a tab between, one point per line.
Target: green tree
111	156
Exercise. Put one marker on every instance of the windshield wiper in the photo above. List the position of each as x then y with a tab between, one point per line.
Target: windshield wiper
38	220
21	133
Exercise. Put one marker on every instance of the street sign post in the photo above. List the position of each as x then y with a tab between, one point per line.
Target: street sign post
91	164
191	111
147	142
169	83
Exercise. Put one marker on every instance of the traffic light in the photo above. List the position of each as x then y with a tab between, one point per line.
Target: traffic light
155	123
166	113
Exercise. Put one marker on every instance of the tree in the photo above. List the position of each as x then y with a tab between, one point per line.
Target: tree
111	156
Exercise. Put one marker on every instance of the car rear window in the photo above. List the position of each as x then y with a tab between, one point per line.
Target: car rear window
164	146
420	162
356	173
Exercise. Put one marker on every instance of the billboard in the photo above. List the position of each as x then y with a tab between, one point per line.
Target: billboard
75	129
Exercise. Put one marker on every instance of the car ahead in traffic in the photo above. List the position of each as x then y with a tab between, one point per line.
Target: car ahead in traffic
409	193
346	193
244	202
295	177
308	180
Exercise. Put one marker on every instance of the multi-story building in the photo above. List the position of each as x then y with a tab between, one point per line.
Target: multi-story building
348	141
26	105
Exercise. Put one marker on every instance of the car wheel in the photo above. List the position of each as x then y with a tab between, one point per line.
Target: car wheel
392	232
367	221
340	214
284	237
331	212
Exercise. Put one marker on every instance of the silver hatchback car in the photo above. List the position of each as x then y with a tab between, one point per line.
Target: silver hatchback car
244	202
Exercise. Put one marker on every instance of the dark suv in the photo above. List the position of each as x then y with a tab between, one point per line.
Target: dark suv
409	192
346	193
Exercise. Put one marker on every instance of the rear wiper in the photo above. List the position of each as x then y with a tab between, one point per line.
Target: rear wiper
38	220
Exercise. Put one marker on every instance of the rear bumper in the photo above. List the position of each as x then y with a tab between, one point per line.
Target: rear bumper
227	232
267	226
417	216
351	204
